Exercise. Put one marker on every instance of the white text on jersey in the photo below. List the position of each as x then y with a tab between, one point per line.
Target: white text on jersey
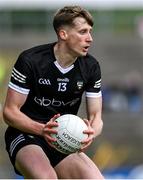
57	103
44	81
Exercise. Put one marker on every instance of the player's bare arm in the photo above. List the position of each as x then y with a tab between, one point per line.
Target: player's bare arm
94	122
94	111
15	118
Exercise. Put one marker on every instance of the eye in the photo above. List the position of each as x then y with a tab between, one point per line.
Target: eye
84	31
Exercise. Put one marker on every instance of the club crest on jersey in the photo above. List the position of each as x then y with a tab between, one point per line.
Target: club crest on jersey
79	85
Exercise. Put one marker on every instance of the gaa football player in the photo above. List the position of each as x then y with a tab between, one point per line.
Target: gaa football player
46	82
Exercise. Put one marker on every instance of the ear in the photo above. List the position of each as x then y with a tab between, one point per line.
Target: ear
63	34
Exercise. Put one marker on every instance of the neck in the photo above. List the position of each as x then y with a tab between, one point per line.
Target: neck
63	58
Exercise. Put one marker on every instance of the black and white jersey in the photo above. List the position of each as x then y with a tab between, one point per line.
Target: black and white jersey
51	89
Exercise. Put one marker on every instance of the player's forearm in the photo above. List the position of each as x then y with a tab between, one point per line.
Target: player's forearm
17	119
96	123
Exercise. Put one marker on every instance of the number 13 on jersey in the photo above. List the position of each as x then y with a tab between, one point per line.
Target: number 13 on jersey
62	87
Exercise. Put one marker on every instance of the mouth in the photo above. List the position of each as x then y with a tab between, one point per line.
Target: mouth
85	49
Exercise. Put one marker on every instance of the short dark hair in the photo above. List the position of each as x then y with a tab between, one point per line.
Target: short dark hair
66	16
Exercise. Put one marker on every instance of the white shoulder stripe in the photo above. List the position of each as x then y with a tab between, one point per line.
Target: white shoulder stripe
18	88
97	84
22	81
19	73
14	74
93	94
98	81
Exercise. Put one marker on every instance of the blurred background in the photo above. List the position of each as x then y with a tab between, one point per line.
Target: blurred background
118	46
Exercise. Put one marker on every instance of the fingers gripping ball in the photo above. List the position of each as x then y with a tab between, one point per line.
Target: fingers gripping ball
70	133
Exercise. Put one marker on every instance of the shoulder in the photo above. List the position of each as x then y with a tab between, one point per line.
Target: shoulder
37	52
88	62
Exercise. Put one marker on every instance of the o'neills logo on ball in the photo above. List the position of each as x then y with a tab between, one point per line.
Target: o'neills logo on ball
61	149
71	139
63	146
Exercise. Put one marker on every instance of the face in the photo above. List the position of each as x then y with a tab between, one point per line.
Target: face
78	38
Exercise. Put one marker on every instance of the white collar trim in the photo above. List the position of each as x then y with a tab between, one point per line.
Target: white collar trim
61	69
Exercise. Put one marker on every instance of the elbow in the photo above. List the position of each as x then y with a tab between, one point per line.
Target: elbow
101	127
6	115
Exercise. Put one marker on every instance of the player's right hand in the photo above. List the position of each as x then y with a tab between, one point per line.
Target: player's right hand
90	132
49	129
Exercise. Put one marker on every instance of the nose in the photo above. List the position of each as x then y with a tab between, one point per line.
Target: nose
89	37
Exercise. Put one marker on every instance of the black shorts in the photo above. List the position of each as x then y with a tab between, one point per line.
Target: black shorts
16	139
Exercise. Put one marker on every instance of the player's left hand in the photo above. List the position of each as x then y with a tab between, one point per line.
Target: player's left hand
91	135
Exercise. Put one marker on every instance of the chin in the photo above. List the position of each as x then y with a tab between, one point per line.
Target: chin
83	54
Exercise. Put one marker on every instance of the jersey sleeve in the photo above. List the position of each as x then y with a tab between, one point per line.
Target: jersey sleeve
93	88
20	76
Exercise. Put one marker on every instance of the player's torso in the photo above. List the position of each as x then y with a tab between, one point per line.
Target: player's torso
54	91
53	87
